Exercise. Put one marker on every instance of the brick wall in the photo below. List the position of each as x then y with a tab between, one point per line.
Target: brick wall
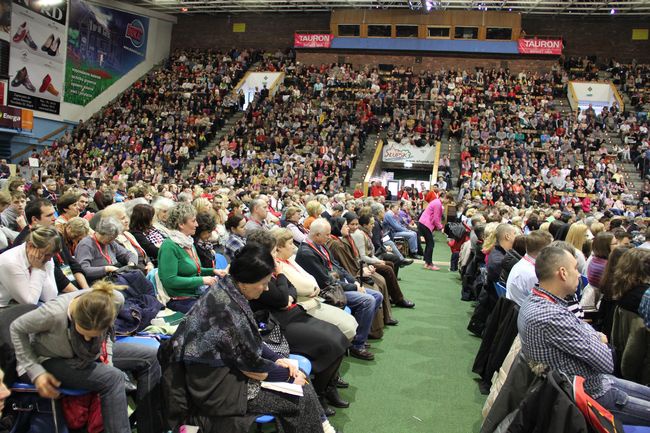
602	37
268	31
432	63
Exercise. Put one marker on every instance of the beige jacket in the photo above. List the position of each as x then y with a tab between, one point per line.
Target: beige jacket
303	281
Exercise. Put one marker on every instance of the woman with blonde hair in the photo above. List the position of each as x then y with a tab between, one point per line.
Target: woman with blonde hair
74	231
64	344
27	271
596	228
490	236
314	209
307	287
577	236
202	204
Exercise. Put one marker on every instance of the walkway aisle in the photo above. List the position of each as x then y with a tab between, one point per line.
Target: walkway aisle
421	379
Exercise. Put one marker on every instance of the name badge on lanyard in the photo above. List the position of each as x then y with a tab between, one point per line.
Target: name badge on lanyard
67	272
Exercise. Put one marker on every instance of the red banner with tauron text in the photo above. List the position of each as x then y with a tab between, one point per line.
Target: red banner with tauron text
304	40
540	46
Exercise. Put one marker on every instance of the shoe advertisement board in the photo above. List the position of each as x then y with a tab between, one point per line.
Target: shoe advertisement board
104	44
36	56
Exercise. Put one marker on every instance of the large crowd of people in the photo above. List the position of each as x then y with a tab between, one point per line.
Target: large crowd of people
568	292
261	251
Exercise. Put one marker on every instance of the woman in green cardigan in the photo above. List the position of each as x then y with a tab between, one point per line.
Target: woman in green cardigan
179	267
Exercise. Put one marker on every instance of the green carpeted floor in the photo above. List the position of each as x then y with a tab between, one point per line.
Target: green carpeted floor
421	379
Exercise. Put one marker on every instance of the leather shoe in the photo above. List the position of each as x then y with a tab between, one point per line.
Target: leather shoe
340	383
416	257
392	322
332	396
364	354
405	303
328	410
405	263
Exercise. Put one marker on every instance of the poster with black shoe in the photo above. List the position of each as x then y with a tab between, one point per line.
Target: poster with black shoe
36	57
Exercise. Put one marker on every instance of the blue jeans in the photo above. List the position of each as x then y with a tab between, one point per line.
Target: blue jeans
108	382
395	249
627	401
364	306
411	237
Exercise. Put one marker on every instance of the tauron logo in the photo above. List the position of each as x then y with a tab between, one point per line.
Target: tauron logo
135	33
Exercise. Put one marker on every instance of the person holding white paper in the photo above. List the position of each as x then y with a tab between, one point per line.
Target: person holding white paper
224	360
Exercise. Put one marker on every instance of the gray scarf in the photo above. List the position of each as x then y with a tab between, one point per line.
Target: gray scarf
86	352
180	239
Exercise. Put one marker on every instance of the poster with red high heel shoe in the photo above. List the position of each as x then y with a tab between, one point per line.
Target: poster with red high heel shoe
36	56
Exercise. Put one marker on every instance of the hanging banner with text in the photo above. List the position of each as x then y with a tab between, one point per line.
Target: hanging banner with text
312	40
37	41
399	153
540	46
103	45
16	118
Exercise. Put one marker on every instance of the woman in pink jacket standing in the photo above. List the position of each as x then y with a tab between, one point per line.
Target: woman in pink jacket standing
430	221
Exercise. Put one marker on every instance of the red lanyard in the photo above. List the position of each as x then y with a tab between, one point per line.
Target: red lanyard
529	259
195	259
324	254
544	295
101	251
135	245
354	247
288	263
60	259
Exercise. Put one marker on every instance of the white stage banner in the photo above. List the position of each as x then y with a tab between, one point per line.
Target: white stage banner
399	153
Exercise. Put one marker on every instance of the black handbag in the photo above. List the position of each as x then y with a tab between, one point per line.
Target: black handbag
334	295
271	333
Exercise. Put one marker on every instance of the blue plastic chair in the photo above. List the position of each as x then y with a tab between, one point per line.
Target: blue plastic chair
29	387
141	340
347	310
59	421
220	261
581	286
636	429
303	364
500	289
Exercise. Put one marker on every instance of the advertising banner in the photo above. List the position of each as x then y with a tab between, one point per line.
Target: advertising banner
103	45
36	55
5	19
540	46
399	153
5	28
16	118
312	40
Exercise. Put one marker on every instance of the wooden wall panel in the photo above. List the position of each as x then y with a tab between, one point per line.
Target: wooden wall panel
428	63
479	19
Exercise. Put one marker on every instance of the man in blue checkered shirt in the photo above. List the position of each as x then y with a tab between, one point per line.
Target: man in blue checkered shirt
552	335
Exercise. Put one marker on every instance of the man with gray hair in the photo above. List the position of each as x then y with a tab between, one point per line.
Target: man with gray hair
317	260
257	219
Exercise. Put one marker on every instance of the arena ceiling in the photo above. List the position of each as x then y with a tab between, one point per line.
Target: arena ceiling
544	7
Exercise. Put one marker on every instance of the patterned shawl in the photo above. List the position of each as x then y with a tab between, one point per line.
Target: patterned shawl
220	330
